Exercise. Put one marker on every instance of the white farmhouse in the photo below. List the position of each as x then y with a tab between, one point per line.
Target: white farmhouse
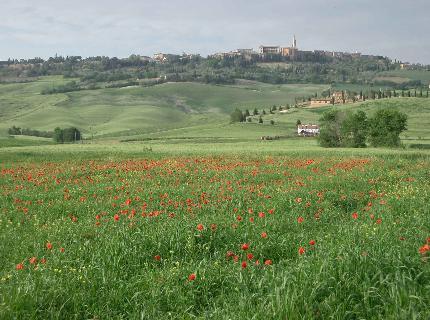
308	130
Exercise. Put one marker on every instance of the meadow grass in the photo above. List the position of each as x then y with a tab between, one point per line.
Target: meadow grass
123	222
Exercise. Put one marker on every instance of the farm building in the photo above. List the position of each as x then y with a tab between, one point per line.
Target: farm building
308	130
316	102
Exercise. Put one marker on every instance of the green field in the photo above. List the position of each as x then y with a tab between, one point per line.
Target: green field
156	230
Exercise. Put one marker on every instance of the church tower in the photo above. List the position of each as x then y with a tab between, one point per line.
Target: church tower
294	42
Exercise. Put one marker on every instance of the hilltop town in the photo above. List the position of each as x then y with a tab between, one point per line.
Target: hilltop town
268	64
276	52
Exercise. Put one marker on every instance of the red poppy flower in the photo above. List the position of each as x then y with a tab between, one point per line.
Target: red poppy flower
300	219
261	214
245	246
379	221
43	260
355	216
301	250
244	264
200	227
49	245
192	277
19	266
157	257
250	256
424	249
251	219
312	242
239	218
298	200
268	262
116	217
264	235
61	249
257	262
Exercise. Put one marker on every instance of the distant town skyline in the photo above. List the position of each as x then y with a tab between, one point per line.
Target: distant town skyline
111	28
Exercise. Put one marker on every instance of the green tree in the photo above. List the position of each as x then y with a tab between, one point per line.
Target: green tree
256	112
58	135
354	130
66	135
236	116
260	120
71	135
298	122
386	126
330	129
14	131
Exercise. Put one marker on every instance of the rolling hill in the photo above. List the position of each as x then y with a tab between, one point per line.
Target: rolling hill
180	110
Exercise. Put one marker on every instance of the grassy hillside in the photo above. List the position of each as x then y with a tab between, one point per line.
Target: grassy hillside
136	109
418	111
180	110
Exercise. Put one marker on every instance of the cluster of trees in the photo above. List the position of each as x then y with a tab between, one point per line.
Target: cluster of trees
66	135
238	116
29	132
346	129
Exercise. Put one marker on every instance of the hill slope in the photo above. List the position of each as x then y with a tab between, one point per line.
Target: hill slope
180	110
136	109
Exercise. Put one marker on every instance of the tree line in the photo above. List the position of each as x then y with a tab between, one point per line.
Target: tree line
246	116
354	129
17	131
59	135
317	69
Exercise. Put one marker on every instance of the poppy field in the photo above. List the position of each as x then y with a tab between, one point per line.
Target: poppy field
216	236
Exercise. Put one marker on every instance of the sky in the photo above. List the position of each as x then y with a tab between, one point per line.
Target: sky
43	28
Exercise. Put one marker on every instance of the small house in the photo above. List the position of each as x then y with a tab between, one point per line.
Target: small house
308	130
